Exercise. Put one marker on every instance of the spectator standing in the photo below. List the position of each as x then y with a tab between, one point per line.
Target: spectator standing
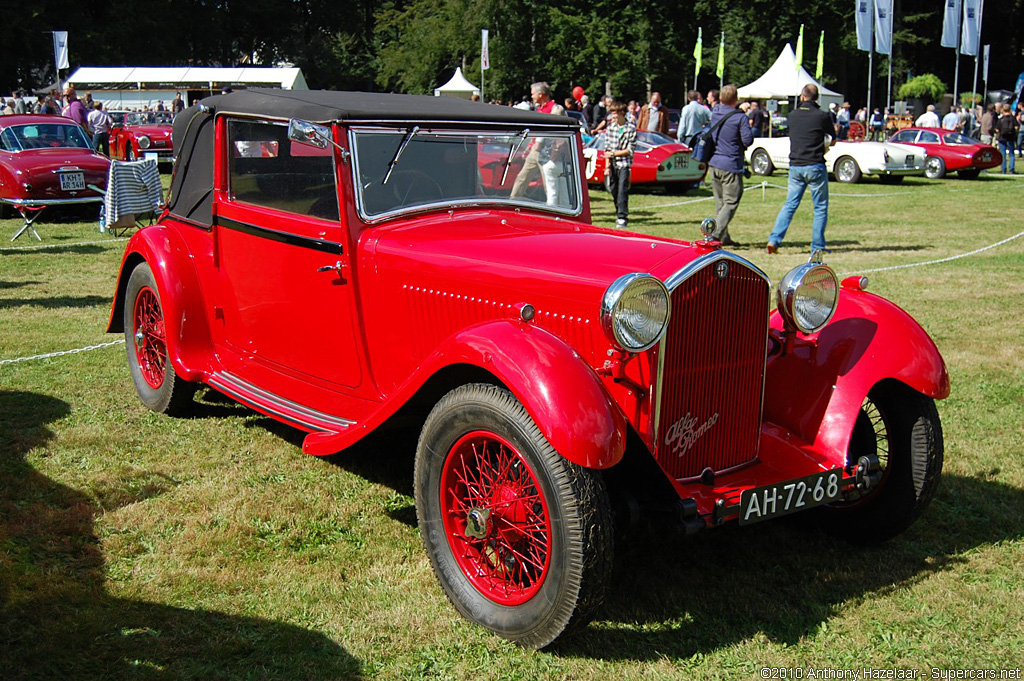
1020	132
843	120
633	111
99	121
6	108
619	142
538	159
1006	132
19	103
929	119
653	116
988	124
726	164
877	124
810	133
692	118
588	111
757	118
177	104
74	109
712	100
951	121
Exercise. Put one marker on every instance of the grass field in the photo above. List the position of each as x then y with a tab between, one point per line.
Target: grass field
134	545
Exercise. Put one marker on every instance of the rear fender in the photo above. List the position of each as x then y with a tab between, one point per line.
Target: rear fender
816	389
186	329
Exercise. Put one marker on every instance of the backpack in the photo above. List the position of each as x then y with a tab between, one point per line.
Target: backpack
706	141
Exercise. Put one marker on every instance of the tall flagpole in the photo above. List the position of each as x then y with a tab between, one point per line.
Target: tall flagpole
974	83
892	49
959	35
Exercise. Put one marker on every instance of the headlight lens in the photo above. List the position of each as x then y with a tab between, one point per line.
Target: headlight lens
144	142
635	310
807	296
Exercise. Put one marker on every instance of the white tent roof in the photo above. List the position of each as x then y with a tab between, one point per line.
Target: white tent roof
458	86
785	80
183	76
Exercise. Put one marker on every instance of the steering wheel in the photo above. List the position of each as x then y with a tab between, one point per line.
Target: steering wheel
414	186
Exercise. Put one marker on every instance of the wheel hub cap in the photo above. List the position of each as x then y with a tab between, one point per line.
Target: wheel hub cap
476	523
140	339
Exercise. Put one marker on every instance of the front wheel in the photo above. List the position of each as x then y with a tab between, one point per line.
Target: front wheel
901	428
519	537
847	170
761	163
934	168
149	364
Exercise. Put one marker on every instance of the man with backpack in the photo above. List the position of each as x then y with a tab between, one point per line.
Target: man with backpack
1006	132
731	134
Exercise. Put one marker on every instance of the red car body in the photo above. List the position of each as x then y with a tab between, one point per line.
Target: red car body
658	161
948	151
142	135
47	161
392	280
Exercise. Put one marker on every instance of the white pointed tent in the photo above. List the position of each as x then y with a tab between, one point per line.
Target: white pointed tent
458	86
783	80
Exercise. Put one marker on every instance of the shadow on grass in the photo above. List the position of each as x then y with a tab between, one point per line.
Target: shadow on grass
58	621
55	302
53	250
16	284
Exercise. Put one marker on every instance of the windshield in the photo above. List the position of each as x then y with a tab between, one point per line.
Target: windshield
43	136
149	118
403	170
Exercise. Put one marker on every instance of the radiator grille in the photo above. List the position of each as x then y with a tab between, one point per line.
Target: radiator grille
713	363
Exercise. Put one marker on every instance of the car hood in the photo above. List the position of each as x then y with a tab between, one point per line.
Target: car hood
150	130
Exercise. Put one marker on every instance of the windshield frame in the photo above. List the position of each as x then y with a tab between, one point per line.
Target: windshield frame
19	138
399	130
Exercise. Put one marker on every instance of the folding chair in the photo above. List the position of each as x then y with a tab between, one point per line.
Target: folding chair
133	193
29	214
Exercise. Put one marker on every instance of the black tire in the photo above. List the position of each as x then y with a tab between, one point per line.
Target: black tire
968	173
564	519
846	170
934	168
129	151
156	384
761	163
901	427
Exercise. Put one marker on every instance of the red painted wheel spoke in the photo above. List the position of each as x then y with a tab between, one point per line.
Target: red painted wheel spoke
148	333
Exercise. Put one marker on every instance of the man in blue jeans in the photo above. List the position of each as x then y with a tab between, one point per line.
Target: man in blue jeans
810	134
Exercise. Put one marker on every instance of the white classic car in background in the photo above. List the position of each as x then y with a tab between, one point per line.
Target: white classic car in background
847	161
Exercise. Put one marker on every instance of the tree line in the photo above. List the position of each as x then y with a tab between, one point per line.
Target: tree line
414	45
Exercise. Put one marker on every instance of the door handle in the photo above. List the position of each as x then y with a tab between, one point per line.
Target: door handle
336	267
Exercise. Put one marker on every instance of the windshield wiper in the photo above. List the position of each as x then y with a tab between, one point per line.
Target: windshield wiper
398	152
512	152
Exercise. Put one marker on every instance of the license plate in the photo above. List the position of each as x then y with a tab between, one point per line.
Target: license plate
790	496
151	156
70	182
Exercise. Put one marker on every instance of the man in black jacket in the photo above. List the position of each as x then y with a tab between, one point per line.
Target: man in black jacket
810	134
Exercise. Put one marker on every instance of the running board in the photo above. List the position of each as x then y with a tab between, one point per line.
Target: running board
274	405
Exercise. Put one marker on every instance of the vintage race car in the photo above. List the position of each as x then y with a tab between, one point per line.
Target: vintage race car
47	161
143	134
847	161
332	259
949	151
657	161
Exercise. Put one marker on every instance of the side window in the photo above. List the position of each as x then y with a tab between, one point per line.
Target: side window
929	137
905	136
266	169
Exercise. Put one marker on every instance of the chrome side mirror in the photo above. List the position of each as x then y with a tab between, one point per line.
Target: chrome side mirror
312	134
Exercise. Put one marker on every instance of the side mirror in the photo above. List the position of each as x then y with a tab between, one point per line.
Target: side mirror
312	134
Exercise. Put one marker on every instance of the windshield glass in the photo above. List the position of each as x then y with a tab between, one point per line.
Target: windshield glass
443	168
149	118
43	136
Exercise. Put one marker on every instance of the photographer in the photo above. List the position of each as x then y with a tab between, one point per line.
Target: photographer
726	165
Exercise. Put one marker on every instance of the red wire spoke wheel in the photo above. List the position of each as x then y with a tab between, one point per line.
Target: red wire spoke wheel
495	518
145	338
519	537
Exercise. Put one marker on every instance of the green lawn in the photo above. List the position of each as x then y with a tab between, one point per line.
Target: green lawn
134	545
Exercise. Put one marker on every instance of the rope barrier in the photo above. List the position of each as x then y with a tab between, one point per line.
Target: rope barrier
940	260
48	355
38	247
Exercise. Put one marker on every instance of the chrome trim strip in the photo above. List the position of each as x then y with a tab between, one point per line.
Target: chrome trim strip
231	384
724	471
681	275
51	202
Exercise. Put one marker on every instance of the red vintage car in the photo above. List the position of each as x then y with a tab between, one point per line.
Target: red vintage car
47	161
143	134
658	161
949	151
333	259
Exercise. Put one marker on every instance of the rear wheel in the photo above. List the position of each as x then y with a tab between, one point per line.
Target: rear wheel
901	428
847	170
519	537
761	162
934	168
157	385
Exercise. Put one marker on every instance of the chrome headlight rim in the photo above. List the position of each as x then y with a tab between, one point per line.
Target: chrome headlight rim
614	295
789	290
144	142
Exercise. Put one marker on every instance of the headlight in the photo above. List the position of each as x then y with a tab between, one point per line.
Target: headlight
807	296
634	312
143	142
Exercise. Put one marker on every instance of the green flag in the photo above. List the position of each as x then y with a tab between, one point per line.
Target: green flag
720	70
800	48
698	48
821	57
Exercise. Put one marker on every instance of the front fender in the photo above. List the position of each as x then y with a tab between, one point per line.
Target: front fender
816	389
186	329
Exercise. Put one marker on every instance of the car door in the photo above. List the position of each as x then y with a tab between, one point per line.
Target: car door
285	299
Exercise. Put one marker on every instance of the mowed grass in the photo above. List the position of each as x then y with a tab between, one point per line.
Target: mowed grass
134	545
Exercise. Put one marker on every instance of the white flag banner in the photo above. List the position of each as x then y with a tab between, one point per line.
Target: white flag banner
951	23
969	35
984	71
60	49
865	12
485	57
883	26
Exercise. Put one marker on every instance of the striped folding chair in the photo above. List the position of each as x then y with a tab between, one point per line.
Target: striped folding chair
133	194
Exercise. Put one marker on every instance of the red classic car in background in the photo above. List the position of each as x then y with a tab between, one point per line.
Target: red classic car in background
332	259
949	151
143	134
46	161
658	161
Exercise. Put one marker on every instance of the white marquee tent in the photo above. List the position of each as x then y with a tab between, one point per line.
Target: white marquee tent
784	80
458	86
